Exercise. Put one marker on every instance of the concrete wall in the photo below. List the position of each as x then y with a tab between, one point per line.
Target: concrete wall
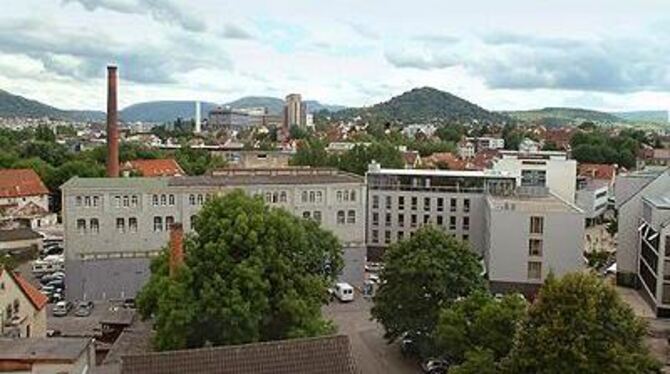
561	174
590	204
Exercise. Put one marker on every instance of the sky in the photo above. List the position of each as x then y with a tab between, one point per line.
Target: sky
609	55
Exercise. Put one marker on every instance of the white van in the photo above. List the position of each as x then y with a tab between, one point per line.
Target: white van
41	267
344	292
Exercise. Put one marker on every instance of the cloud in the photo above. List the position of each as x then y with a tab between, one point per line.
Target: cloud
364	30
163	11
81	55
514	61
233	31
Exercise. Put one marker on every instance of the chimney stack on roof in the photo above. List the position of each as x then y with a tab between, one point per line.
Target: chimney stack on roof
112	124
176	247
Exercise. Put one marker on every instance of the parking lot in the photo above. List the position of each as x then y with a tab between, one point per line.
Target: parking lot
371	352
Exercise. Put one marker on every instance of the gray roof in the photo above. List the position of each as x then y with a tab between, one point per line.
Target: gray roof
547	203
322	355
18	234
43	349
113	183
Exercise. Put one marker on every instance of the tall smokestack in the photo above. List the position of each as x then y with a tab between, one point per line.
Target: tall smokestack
197	117
112	124
176	247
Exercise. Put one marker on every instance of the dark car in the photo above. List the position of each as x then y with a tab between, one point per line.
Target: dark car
84	309
435	366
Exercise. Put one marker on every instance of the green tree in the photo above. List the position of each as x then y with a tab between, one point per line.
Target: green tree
421	276
44	134
477	361
479	321
358	158
297	132
579	324
252	273
312	152
451	133
198	161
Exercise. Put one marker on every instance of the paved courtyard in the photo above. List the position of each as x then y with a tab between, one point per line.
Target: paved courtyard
371	352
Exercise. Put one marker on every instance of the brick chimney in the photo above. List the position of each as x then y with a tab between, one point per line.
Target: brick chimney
112	124
176	247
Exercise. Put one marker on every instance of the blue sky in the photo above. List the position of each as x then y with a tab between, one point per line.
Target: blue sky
514	54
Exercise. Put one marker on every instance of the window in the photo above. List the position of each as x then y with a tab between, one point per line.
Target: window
536	225
466	205
533	178
340	217
440	220
426	203
452	223
201	199
317	216
193	220
466	237
120	225
535	247
440	204
452	205
87	201
338	196
389	202
312	196
387	237
319	196
134	201
95	225
132	224
154	200
191	199
169	221
346	195
415	202
96	200
303	196
466	223
171	199
81	226
306	214
282	197
117	201
275	197
375	236
268	197
534	270
413	220
158	224
401	202
163	200
126	201
375	219
352	195
426	219
387	219
401	220
351	216
401	235
375	202
78	201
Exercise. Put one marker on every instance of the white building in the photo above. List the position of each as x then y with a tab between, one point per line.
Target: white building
24	199
529	146
544	169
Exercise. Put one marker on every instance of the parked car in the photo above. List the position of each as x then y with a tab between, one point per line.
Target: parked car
374	278
62	308
344	292
53	250
59	275
435	366
84	309
374	267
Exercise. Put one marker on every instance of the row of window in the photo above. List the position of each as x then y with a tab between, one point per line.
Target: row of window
313	197
126	225
197	199
87	201
414	203
128	201
346	195
350	217
163	200
400	235
427	219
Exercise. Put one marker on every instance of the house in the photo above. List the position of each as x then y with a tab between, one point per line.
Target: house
320	355
24	199
529	146
47	355
22	307
19	240
466	149
412	159
153	168
443	160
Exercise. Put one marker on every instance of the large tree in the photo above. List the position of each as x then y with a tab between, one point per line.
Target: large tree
251	273
422	275
579	324
479	323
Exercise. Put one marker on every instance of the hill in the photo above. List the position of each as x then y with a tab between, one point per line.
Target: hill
562	116
18	106
162	111
423	105
651	116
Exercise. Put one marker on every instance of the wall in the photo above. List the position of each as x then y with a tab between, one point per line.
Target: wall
561	174
36	319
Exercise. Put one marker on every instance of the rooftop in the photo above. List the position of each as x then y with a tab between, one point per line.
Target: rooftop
321	355
444	173
596	171
155	168
38	299
660	202
20	182
548	203
23	233
43	349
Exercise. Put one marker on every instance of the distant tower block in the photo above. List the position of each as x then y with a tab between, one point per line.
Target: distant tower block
197	117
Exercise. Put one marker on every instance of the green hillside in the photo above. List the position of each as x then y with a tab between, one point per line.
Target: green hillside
563	116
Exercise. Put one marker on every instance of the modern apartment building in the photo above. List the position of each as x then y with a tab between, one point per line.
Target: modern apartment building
541	169
113	227
643	251
489	210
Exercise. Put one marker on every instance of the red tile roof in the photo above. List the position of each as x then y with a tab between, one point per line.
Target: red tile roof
20	182
155	168
38	299
597	171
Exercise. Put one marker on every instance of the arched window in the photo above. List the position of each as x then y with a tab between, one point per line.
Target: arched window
312	196
275	197
95	226
81	226
200	199
339	196
352	196
163	200
340	217
171	197
268	197
346	195
282	197
304	196
191	199
319	196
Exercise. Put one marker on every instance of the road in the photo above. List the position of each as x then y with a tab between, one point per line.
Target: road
371	352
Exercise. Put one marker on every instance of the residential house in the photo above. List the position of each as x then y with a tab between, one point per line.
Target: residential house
24	199
153	168
22	307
